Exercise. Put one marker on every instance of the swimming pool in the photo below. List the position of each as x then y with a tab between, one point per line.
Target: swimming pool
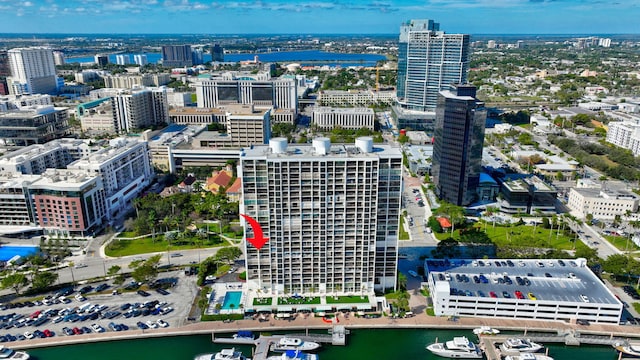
7	252
232	298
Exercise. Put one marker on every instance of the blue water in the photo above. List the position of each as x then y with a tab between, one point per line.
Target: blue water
362	344
326	58
7	252
232	298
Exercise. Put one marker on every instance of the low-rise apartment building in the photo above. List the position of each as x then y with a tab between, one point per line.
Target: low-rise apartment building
602	204
327	118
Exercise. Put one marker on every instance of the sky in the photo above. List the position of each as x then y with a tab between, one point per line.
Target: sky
318	16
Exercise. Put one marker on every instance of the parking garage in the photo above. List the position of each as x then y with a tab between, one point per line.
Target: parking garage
529	289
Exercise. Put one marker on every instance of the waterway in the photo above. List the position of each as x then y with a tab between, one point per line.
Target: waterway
398	344
310	57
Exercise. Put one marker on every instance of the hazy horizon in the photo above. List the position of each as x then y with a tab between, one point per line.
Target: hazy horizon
504	17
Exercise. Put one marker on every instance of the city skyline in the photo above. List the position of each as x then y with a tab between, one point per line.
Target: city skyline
317	16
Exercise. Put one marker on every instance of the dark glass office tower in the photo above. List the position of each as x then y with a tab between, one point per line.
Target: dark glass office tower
457	150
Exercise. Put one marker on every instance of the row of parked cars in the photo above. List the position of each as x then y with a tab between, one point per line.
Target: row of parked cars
631	291
27	335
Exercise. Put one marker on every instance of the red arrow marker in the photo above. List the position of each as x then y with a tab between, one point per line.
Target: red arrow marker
258	240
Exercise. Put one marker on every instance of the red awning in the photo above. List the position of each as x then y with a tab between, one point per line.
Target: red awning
444	222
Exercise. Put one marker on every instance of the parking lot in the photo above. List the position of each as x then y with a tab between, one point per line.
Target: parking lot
73	312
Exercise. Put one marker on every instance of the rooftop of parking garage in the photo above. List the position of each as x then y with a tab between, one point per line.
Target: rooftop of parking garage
549	280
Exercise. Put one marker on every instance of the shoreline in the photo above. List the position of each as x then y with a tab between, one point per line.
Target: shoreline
417	322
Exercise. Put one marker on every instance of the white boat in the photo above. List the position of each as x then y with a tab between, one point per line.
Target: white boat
458	348
7	353
294	355
528	356
224	354
486	330
520	345
289	343
628	350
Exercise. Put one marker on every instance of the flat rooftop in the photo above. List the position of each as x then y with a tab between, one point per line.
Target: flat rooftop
297	151
549	279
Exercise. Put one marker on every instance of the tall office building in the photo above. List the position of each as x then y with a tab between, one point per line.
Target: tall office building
58	58
138	109
101	60
217	53
330	212
196	55
428	61
458	142
33	71
177	55
5	71
140	59
123	59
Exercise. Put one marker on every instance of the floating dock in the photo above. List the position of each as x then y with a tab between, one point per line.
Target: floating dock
337	336
492	352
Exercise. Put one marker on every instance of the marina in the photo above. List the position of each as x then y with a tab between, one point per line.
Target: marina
493	351
362	344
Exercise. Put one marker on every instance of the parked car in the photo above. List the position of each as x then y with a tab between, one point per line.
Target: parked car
152	324
141	325
143	293
97	328
162	323
162	291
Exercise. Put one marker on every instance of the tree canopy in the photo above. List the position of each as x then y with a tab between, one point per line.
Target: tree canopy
147	270
15	281
228	254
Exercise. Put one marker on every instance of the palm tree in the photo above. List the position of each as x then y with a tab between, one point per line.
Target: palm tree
151	217
166	221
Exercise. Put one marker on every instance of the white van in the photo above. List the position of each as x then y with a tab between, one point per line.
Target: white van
84	307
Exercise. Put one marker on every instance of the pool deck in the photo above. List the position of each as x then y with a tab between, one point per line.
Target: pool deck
219	293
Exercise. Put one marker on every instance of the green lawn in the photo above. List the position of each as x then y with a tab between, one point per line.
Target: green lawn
522	235
128	234
262	301
621	243
222	270
299	301
145	245
402	234
346	299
